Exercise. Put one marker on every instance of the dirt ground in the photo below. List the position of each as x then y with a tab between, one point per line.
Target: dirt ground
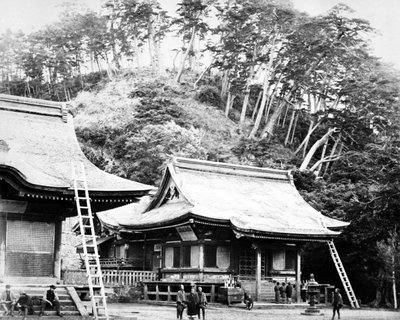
238	312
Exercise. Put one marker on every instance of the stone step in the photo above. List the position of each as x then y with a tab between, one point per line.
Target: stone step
63	308
45	317
69	300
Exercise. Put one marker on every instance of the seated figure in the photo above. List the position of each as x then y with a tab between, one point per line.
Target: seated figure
8	300
24	305
50	299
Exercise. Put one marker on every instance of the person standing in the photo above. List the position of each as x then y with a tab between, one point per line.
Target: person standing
337	302
289	292
50	299
192	304
180	302
8	300
282	291
276	290
202	302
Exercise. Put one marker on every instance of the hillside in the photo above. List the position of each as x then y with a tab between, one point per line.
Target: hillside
131	125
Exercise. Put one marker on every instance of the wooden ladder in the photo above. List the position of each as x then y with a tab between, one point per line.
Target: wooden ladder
343	275
89	244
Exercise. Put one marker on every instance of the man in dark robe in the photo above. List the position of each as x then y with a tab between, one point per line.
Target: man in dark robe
192	304
50	299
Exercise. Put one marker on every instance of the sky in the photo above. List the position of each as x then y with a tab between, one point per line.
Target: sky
31	15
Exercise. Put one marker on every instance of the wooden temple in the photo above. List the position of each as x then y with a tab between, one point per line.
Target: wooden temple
209	222
37	148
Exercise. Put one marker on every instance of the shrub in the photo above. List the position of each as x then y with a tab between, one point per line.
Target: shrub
208	95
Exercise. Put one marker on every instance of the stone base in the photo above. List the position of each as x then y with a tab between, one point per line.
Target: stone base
312	312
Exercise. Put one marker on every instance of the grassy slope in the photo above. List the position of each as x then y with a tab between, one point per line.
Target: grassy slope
108	119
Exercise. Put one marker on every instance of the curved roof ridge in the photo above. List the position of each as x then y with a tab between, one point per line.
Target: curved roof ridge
34	106
231	169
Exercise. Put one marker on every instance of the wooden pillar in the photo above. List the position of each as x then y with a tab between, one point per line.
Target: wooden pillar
57	249
169	293
157	293
212	298
258	273
3	231
298	276
201	261
145	290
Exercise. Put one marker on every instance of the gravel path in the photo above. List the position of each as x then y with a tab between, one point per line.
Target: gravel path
154	312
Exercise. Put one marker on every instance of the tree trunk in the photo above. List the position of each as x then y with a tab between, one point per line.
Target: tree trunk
322	157
137	52
244	106
247	89
229	103
314	148
256	105
290	127
333	150
284	117
295	125
114	47
267	77
225	84
189	48
269	127
202	74
311	129
272	120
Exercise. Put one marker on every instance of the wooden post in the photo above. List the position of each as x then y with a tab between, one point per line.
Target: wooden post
201	261
169	293
157	293
3	231
146	297
212	299
57	248
298	276
258	273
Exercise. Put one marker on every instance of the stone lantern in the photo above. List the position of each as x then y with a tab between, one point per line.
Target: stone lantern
312	291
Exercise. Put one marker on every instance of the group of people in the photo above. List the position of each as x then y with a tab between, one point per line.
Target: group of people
24	305
284	292
195	302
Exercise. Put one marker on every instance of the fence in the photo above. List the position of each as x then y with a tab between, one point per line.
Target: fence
167	291
111	277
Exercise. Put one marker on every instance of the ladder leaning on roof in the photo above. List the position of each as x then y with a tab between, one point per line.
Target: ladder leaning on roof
92	261
343	275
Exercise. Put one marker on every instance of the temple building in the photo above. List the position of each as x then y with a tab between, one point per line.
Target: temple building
37	149
209	222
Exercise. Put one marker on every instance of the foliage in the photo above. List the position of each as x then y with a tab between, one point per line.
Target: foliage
208	95
262	153
148	151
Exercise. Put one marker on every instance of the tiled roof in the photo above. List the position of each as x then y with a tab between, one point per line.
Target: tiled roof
253	201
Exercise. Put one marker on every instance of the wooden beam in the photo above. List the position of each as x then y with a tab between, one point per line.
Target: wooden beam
78	303
13	206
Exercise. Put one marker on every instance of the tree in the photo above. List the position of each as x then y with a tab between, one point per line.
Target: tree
190	23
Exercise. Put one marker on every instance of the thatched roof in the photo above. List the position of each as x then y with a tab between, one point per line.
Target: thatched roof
256	202
38	146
